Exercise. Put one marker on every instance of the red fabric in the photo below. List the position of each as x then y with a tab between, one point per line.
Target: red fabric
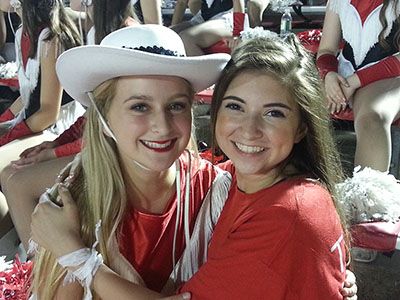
74	132
347	114
146	240
69	148
327	63
6	116
379	236
12	82
238	23
204	96
220	47
25	48
386	68
365	8
20	130
274	244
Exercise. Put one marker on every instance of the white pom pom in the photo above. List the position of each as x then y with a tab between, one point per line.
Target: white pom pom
370	195
257	32
5	265
8	70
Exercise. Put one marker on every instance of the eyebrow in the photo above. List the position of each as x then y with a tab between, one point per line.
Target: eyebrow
147	98
273	104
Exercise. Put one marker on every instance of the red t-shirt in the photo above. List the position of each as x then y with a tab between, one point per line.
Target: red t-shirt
278	243
146	240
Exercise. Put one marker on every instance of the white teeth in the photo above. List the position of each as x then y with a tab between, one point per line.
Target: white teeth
157	145
248	149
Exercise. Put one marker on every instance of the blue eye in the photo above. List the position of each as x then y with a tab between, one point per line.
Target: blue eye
233	106
275	114
139	107
177	106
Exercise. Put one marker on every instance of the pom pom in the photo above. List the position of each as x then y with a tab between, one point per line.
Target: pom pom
8	70
280	5
370	196
15	279
257	32
310	39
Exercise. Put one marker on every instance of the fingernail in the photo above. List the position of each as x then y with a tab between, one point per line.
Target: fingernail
186	296
62	187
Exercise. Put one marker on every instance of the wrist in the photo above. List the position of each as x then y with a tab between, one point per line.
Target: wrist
354	81
238	23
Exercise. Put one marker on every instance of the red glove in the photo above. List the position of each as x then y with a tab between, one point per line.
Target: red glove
386	68
327	63
73	133
69	149
20	130
6	116
238	23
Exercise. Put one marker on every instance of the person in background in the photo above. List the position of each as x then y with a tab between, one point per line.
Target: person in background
43	110
180	8
20	182
364	76
149	11
279	235
216	21
255	9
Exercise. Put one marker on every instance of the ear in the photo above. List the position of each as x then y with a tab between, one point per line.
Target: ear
301	132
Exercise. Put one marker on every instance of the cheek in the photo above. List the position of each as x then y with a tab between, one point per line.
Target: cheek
184	124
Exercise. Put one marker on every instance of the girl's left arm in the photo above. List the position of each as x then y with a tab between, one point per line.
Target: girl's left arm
151	11
50	90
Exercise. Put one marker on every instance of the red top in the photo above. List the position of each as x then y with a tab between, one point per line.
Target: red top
365	8
148	238
278	243
70	141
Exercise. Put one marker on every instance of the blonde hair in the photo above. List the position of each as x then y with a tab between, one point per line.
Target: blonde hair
100	192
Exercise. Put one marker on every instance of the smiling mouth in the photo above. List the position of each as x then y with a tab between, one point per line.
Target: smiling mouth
248	149
159	146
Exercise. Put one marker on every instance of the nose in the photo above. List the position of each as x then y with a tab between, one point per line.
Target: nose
251	127
161	123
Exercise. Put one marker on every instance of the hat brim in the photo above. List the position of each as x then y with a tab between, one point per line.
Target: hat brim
82	69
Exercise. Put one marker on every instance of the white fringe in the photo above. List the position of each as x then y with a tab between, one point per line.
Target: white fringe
370	195
195	254
362	37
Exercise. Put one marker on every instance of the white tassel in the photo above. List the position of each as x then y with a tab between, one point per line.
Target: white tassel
370	195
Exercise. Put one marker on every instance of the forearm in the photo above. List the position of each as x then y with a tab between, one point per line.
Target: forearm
238	6
3	31
384	69
179	12
42	119
110	286
151	11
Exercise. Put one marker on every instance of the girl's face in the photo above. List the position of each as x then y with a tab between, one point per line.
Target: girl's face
258	124
150	117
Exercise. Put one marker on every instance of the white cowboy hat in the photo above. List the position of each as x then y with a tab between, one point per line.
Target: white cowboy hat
138	50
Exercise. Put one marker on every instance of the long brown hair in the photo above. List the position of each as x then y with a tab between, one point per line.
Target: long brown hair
110	15
384	22
37	14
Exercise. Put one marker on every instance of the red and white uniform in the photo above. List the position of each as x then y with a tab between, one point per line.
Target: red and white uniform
360	29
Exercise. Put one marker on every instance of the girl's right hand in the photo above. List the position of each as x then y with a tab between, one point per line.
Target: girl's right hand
57	228
71	171
336	98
